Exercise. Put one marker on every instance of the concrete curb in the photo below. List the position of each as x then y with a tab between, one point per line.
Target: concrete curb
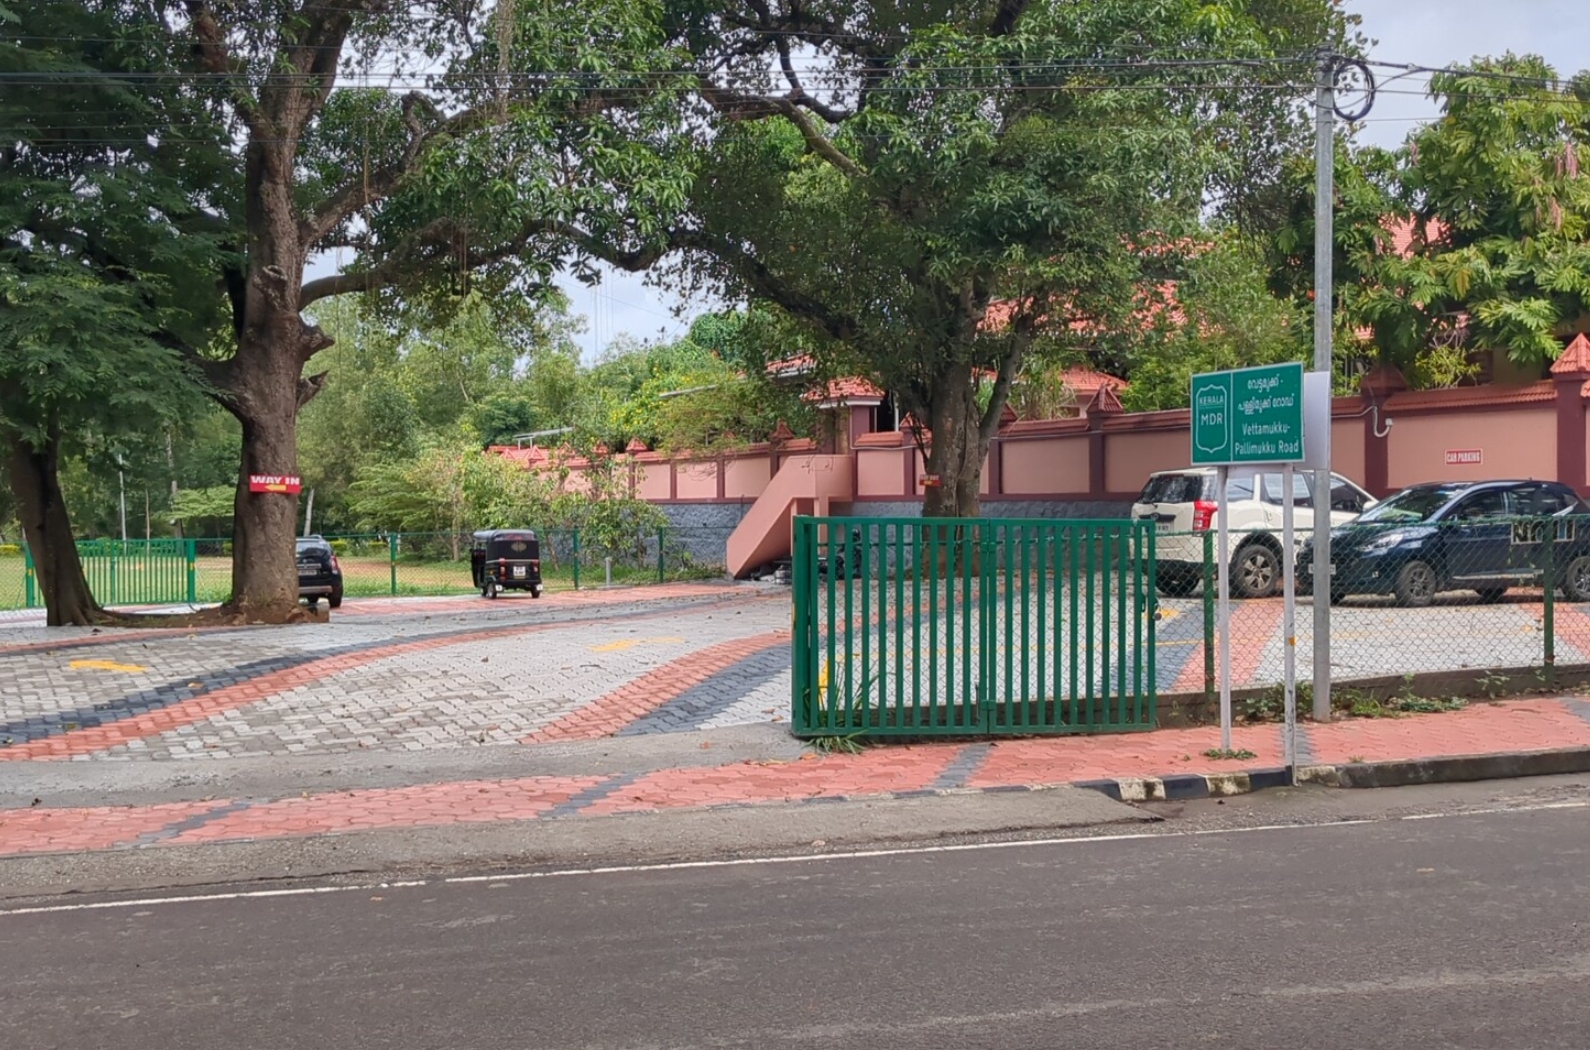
1450	769
1187	785
1446	770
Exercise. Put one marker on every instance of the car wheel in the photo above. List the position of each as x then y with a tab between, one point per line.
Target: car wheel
535	592
491	588
1255	571
1576	579
312	601
1173	584
1491	595
1337	597
1417	585
335	600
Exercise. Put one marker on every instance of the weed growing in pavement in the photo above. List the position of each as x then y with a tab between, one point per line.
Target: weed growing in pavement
1269	706
1355	759
1494	685
838	745
1219	754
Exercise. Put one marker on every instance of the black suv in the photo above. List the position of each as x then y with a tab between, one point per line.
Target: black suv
1483	536
319	575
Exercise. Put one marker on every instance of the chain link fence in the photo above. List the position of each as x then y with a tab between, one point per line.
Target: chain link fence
157	572
1504	601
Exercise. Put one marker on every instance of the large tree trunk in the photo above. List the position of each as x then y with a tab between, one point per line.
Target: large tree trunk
264	389
956	449
47	528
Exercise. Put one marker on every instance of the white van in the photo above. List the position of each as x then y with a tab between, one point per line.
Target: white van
1184	504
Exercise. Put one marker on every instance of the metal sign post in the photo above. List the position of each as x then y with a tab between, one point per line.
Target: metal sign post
1289	616
1223	620
1248	416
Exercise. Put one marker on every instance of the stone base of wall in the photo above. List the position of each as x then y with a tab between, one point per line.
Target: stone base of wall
700	531
1005	508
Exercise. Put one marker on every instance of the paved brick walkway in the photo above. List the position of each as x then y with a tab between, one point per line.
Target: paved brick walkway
899	771
396	675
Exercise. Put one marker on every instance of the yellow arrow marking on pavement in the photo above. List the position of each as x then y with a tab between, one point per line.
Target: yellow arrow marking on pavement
104	665
629	643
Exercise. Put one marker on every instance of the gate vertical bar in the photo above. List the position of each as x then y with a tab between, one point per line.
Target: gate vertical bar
800	639
1121	569
1074	582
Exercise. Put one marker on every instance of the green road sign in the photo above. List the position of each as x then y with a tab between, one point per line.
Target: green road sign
1251	415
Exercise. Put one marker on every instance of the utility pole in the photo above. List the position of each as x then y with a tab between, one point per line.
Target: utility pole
1324	206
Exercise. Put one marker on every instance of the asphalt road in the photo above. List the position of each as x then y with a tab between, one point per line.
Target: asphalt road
1459	931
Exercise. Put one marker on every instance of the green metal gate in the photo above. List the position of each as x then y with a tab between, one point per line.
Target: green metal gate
131	572
959	626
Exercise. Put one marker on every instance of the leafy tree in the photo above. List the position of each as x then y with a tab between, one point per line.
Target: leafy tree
948	157
1218	314
1493	202
461	178
206	511
96	295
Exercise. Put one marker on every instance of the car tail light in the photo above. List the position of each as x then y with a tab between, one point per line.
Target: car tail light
1203	514
336	566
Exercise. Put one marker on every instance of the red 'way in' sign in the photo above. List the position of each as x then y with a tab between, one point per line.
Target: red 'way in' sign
274	483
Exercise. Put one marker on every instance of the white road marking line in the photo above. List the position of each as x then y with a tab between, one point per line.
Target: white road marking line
741	862
199	898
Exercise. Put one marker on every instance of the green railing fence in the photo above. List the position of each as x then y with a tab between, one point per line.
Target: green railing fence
197	571
912	627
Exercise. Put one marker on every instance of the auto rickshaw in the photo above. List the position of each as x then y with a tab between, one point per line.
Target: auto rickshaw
506	560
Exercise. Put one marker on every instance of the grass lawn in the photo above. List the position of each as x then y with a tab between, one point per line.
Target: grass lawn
363	577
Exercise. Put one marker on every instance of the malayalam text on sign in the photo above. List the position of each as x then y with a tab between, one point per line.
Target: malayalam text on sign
1250	415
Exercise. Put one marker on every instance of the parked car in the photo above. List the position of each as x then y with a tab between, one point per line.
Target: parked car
1185	503
1481	536
319	573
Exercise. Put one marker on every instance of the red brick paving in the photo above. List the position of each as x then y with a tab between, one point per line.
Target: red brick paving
426	805
1062	760
607	714
1479	729
1253	627
1523	725
879	772
88	830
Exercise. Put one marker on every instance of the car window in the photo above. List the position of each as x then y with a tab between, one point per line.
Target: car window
1174	488
1488	505
1239	489
1346	496
1541	501
1410	505
1302	489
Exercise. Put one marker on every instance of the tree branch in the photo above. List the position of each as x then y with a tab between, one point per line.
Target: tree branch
762	280
442	236
739	106
1006	16
361	191
210	47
